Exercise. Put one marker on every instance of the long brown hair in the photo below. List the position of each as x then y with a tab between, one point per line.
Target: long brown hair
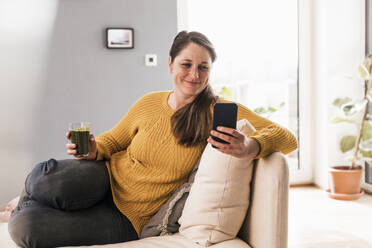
192	123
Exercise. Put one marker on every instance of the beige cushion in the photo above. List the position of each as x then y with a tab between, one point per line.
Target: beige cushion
5	239
168	241
219	198
171	241
266	224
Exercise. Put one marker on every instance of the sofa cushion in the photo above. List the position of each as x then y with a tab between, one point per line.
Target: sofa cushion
165	221
171	241
219	197
167	241
5	239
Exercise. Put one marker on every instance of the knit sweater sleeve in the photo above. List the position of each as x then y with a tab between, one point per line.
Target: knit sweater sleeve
271	136
118	138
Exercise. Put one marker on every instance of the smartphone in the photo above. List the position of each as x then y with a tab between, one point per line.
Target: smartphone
224	114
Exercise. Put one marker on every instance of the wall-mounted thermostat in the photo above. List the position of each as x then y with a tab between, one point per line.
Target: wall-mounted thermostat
151	60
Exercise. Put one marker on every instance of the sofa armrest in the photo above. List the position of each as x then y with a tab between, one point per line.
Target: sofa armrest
266	223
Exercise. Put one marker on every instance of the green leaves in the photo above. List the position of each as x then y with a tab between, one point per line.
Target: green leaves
365	69
363	72
367	131
347	143
348	106
260	110
366	154
363	149
269	109
226	93
338	102
354	107
340	119
263	110
366	146
349	109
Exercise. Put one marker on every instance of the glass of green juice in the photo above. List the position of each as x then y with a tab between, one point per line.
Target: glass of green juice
80	136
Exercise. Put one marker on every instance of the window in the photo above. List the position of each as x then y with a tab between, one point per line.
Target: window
257	55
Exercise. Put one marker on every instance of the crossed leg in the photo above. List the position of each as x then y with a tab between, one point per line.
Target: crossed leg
66	203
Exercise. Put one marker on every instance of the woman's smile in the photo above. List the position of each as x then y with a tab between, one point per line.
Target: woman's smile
191	83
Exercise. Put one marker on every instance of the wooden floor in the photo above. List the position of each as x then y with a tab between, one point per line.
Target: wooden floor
316	221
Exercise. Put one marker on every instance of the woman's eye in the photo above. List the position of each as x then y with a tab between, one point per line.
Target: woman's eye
204	68
186	65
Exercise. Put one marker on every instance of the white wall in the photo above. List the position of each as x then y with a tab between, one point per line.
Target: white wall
329	54
55	68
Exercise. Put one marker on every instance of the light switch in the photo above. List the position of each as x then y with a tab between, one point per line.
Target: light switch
151	60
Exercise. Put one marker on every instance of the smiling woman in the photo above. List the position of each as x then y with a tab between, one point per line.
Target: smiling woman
190	70
190	61
133	169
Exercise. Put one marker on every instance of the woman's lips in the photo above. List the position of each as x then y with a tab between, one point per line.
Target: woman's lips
191	82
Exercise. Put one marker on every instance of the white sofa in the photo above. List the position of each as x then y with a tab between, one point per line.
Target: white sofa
265	225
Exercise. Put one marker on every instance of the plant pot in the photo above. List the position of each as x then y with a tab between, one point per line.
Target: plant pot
345	183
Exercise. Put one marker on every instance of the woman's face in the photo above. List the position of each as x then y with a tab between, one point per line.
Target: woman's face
190	70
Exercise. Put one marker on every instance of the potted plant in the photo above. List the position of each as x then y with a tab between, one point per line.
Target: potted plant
345	181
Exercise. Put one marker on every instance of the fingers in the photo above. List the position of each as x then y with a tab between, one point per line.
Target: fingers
230	135
222	136
70	146
224	148
71	149
217	144
71	152
228	130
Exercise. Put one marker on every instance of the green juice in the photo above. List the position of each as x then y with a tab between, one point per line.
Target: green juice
80	137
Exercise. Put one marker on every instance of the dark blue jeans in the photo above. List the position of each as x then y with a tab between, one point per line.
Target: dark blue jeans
68	203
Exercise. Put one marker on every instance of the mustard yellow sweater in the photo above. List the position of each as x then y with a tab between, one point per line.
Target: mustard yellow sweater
146	164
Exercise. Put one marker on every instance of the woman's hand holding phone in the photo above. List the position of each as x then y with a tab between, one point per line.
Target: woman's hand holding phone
224	135
238	144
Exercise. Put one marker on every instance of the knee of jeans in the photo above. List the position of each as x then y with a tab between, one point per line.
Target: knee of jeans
41	180
40	176
43	183
24	229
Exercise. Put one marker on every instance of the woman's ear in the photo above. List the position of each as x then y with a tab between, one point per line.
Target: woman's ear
170	64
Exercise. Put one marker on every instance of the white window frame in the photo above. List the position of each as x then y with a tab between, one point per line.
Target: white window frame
304	175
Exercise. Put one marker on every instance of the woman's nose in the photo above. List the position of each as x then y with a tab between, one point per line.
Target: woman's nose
194	73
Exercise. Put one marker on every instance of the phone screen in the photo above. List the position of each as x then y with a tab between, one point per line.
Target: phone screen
224	114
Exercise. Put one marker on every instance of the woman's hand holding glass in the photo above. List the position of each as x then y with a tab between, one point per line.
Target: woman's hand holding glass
71	148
